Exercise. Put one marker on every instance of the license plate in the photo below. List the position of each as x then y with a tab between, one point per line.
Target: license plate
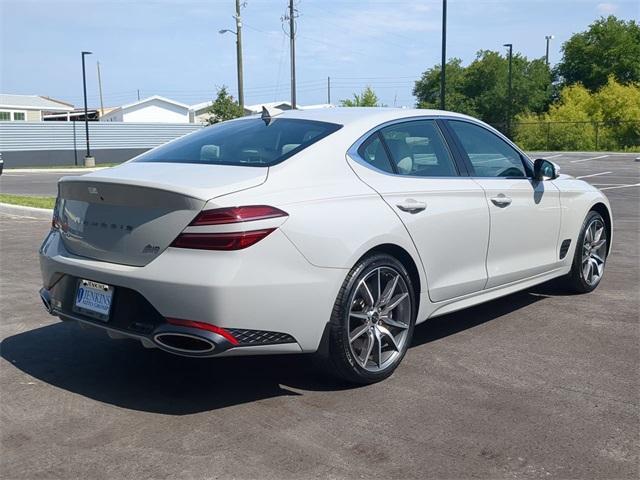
93	299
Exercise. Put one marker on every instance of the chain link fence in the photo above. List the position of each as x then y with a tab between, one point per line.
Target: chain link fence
575	136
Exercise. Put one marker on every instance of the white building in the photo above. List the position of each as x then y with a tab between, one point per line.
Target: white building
155	109
29	108
199	113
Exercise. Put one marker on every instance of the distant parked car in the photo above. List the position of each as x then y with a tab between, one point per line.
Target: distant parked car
1	164
331	231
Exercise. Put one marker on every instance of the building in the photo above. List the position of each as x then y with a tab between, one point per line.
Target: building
30	108
199	113
155	109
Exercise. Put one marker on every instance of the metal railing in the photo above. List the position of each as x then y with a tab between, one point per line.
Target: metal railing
575	135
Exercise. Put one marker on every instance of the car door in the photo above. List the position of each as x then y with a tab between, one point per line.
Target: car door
525	214
410	165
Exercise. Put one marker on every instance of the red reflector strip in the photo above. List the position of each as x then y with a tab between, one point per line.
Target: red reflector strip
220	241
203	326
222	216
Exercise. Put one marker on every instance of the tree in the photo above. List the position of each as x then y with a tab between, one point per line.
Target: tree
609	47
427	89
367	98
481	88
224	107
608	119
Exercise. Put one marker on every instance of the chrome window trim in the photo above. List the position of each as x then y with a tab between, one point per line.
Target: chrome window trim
353	154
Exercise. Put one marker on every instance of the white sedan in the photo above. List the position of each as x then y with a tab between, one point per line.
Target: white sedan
331	231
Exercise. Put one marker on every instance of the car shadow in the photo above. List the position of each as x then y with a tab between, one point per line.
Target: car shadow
122	373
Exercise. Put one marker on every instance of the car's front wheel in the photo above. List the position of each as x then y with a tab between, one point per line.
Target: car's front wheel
372	321
590	256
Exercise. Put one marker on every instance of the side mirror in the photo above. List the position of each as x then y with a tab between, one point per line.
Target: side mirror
545	170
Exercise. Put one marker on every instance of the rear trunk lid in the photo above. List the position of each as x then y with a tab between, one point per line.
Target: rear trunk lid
131	213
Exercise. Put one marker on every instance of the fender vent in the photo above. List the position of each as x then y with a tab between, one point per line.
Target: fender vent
564	248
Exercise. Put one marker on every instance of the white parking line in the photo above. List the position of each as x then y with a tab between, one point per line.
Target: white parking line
587	159
621	186
554	156
592	175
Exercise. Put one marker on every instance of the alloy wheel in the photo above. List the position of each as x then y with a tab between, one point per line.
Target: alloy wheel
594	251
379	318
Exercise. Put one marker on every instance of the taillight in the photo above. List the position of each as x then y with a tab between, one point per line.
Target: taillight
226	216
55	219
223	216
220	241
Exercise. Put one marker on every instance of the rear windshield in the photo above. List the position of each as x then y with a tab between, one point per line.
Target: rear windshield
250	142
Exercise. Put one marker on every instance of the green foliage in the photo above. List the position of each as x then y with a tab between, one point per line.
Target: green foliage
608	119
609	47
481	88
224	107
28	201
367	98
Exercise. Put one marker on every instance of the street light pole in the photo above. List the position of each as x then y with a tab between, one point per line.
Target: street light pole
292	42
444	54
510	46
546	55
239	55
88	159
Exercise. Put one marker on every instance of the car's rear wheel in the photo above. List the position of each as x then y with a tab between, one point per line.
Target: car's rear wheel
590	256
372	321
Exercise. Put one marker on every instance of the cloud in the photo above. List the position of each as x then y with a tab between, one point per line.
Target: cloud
606	8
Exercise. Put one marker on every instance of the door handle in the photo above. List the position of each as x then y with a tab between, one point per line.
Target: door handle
501	201
412	206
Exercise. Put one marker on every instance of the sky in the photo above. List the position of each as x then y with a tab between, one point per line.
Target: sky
172	47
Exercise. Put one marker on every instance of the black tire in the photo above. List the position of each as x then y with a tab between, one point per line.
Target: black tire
337	357
576	280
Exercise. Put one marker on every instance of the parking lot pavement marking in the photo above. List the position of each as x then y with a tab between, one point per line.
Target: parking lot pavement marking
587	159
621	186
554	156
592	175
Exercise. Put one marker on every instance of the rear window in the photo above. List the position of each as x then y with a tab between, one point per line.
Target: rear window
250	142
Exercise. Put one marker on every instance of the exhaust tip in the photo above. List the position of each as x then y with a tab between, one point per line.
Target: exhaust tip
184	343
46	300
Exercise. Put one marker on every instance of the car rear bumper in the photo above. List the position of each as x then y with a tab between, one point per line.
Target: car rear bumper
268	297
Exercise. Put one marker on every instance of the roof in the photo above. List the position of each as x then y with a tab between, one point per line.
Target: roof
353	115
33	102
258	106
199	106
150	99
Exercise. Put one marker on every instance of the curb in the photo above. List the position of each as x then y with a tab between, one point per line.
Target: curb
27	212
79	171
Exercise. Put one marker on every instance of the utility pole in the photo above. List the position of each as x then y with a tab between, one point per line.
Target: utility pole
546	56
328	90
509	101
89	161
239	56
443	66
100	90
292	43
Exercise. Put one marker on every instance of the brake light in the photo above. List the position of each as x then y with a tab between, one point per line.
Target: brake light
204	326
227	216
220	241
223	216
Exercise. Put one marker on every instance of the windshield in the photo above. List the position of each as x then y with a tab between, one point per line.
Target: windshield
250	142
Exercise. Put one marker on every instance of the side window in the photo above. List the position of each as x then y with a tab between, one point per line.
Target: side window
374	153
418	149
489	155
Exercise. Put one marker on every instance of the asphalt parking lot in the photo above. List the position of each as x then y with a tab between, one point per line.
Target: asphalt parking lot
539	384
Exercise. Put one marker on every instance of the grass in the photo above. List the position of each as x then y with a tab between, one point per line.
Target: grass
26	201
